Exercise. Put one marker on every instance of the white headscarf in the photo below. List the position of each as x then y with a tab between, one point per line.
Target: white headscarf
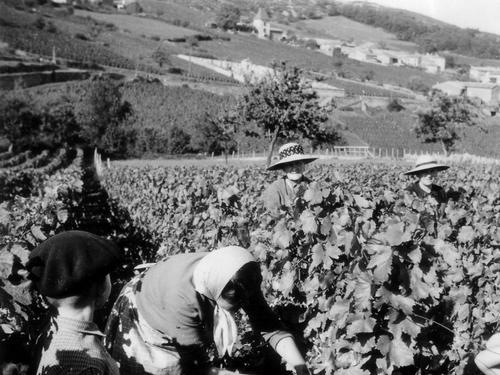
210	276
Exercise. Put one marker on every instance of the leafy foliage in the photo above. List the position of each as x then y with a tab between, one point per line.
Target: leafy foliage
227	16
283	106
369	276
103	117
442	120
24	223
28	126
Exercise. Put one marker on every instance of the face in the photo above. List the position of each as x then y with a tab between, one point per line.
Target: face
295	171
239	291
428	178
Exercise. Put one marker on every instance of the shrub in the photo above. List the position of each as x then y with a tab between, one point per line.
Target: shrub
395	106
81	36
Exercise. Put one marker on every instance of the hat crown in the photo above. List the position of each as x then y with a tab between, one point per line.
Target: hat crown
425	160
290	149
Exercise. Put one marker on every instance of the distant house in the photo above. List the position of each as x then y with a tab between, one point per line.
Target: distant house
433	63
485	74
328	46
265	30
487	92
122	4
327	92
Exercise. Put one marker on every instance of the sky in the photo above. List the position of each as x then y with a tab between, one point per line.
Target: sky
478	14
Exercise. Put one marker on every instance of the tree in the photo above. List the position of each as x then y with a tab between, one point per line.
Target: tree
227	17
19	122
282	106
160	56
178	141
28	126
105	119
442	120
217	132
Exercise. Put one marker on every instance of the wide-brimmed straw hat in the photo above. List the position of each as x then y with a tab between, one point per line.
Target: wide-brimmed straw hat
291	153
426	163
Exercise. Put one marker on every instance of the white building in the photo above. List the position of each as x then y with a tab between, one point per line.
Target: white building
485	74
487	92
265	30
245	71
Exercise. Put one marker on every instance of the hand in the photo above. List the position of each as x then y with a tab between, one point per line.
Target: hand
302	370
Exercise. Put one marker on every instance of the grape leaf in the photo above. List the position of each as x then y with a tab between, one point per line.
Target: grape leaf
6	263
397	301
363	294
339	309
466	234
360	326
380	261
400	354
317	256
308	221
282	236
361	202
37	232
313	194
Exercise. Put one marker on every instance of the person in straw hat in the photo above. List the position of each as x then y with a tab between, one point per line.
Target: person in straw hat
166	318
425	171
283	192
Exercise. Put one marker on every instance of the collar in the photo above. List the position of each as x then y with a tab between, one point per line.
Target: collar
80	326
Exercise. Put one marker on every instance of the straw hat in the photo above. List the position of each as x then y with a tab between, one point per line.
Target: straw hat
291	153
426	163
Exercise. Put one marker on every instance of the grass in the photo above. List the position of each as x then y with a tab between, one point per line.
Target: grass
382	129
339	27
172	12
140	25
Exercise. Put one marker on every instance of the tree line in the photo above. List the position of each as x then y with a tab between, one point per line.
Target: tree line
138	119
431	37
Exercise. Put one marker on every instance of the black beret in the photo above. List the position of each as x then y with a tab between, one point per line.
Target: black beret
69	262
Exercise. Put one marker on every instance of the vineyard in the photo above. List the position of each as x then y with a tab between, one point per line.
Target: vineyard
370	279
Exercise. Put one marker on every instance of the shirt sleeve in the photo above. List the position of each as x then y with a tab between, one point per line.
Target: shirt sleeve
265	321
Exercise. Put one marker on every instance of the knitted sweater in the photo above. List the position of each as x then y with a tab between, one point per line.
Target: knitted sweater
73	347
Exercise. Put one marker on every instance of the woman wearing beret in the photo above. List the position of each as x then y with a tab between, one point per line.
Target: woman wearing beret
282	193
166	318
71	270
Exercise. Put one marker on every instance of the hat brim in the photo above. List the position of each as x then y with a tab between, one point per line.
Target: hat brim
291	160
434	168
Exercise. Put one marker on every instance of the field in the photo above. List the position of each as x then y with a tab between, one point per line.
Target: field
185	13
394	130
339	27
140	25
366	276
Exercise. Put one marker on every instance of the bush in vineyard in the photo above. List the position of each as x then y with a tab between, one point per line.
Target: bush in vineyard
370	277
24	223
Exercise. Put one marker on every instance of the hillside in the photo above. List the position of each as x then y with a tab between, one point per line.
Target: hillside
148	43
339	27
